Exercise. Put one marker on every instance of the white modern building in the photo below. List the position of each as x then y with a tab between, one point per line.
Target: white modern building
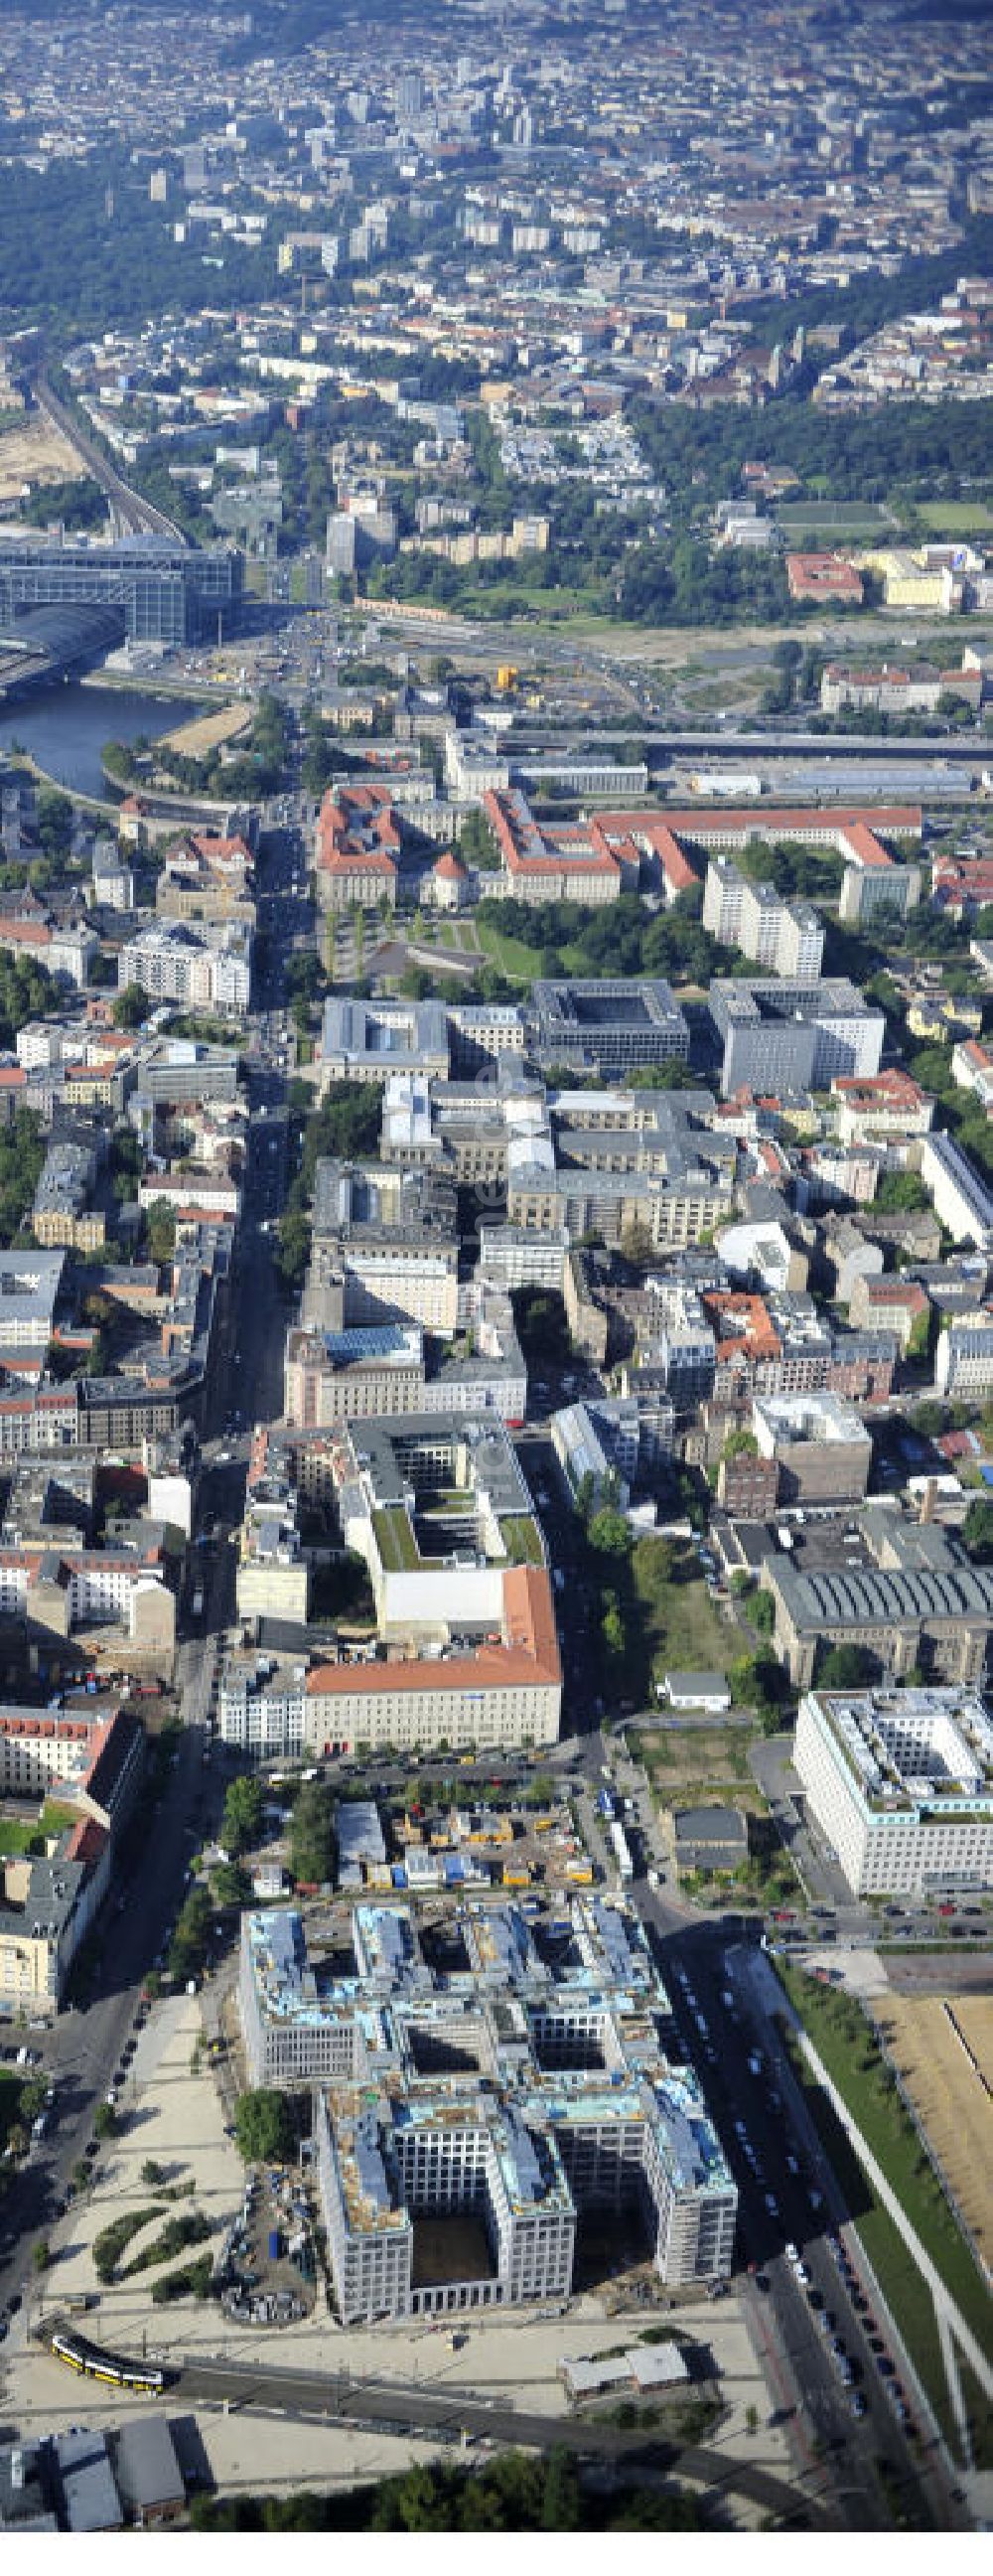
963	1366
901	1784
961	1201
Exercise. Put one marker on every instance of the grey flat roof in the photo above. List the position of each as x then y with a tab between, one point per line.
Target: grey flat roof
145	2464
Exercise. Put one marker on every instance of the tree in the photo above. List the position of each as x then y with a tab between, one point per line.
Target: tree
263	2127
977	1531
242	1822
764	1614
189	1941
740	1444
152	2173
845	1668
542	1331
612	1627
610	1533
104	2122
232	1885
131	1007
160	1230
41	2254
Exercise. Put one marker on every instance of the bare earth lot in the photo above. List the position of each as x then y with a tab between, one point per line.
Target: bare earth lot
922	2033
204	733
35	453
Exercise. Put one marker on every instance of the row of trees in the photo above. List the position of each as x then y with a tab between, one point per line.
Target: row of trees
516	2493
346	1123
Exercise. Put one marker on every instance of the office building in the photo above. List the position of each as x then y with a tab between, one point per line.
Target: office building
385	1247
513	2089
900	1783
167	592
261	1706
373	1041
821	1447
905	1592
790	1037
963	1368
608	1027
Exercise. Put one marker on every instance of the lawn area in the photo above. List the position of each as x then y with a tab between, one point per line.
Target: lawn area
513	956
520	1537
844	2038
678	1760
681	1630
395	1540
53	1820
956	518
836	518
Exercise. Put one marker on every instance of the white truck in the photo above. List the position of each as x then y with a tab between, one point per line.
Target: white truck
622	1853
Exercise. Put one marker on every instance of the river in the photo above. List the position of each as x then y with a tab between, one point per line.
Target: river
65	729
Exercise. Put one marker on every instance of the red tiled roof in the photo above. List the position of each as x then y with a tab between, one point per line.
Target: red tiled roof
530	1652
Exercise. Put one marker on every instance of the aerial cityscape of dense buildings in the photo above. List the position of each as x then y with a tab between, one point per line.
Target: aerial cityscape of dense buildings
496	1265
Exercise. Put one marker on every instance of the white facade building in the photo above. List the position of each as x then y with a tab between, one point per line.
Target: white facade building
901	1784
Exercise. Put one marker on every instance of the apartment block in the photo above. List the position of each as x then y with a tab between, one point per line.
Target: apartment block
783	937
960	1199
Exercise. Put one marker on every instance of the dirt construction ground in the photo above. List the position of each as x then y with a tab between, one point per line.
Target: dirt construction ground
203	734
34	454
176	2117
929	2040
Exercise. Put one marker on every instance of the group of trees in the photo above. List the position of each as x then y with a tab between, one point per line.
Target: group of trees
264	2127
160	1231
347	1123
188	1947
22	1156
82	247
77	505
27	992
131	1007
614	939
518	2492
